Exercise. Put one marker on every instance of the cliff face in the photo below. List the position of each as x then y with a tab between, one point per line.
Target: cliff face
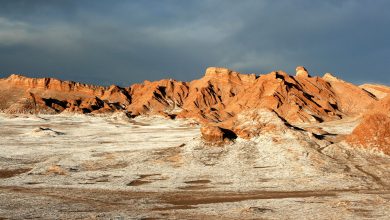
53	85
218	96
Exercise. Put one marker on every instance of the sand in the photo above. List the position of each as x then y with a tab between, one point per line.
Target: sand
102	167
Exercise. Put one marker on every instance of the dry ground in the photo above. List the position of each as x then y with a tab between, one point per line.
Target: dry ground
112	167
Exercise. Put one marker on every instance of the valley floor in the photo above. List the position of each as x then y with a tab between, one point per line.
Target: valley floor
113	167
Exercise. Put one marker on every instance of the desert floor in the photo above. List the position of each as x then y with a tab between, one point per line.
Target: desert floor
112	167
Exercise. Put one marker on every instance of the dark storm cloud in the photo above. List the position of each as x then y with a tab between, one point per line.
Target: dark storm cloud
124	42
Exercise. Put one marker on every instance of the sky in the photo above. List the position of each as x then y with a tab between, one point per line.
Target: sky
125	42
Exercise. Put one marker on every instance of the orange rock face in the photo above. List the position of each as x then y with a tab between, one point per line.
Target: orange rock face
373	132
382	106
350	99
216	135
54	85
221	95
380	91
29	104
225	102
27	95
160	97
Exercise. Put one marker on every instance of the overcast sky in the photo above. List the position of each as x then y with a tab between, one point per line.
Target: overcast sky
125	42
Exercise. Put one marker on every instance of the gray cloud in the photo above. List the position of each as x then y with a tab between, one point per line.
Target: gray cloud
124	42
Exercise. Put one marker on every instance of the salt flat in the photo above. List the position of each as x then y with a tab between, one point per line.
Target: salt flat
99	167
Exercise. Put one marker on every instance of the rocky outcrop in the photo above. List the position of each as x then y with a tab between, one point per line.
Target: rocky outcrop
301	72
19	94
30	104
254	122
350	99
54	85
216	135
382	106
221	95
372	133
160	97
380	91
228	104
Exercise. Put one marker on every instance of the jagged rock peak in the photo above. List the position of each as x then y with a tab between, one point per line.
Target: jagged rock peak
330	78
301	71
218	71
224	73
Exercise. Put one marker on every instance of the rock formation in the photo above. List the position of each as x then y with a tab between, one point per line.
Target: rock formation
374	129
350	99
219	95
379	91
216	135
373	133
46	95
382	106
29	103
301	72
253	122
246	104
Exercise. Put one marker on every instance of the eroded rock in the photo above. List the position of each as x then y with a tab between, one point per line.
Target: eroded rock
216	135
220	96
372	133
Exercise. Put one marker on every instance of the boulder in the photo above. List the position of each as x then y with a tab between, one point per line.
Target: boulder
216	135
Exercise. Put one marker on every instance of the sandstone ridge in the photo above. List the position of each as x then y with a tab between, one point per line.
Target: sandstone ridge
221	98
219	95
